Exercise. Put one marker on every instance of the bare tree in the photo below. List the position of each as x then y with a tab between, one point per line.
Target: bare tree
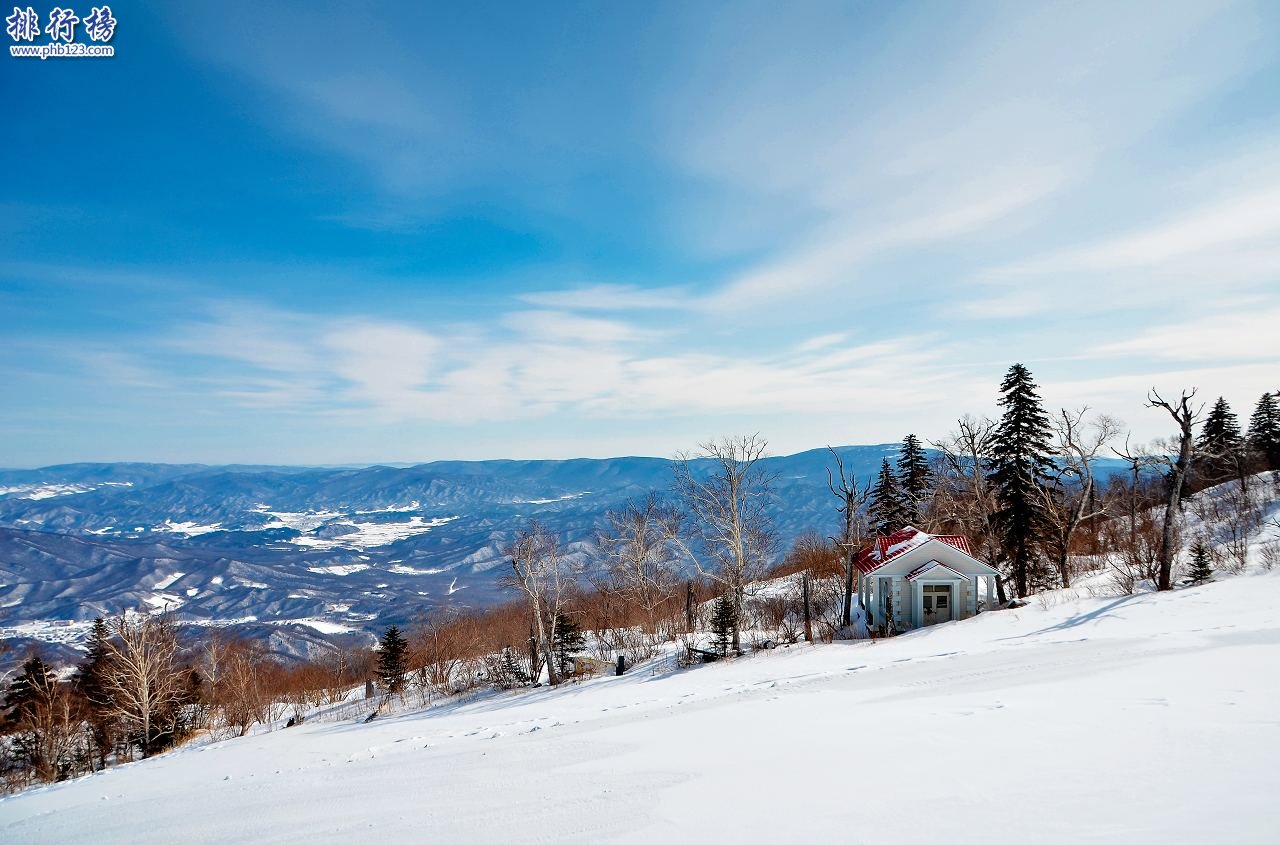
728	506
143	678
546	576
243	690
46	726
640	552
852	498
1176	460
213	653
1072	499
963	498
442	640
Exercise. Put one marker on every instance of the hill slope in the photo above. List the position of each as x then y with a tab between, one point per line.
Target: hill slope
1141	719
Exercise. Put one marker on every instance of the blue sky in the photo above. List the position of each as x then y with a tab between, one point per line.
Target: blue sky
331	233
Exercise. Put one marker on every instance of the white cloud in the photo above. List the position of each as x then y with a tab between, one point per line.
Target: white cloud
1243	219
385	364
607	297
1234	336
563	326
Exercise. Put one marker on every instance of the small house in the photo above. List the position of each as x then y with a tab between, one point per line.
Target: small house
911	579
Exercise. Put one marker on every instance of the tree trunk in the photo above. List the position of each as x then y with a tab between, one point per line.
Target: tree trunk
846	615
1020	565
535	659
808	624
553	677
688	607
736	643
1173	502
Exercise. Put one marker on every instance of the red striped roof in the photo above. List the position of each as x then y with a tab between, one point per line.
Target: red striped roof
885	549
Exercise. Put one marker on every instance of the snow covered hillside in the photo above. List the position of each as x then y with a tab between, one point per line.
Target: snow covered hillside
1146	718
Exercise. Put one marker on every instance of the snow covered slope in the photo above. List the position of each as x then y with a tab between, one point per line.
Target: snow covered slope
1143	719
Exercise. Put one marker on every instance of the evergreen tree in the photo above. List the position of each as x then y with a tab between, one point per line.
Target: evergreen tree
391	660
1019	469
724	621
1201	564
1264	430
90	675
24	690
568	641
90	682
914	478
1220	440
510	671
887	513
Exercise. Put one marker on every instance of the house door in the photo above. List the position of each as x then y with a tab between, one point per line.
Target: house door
937	603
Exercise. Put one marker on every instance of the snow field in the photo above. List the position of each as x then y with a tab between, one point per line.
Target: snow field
1140	719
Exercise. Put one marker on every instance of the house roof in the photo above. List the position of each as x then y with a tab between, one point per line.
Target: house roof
935	568
885	549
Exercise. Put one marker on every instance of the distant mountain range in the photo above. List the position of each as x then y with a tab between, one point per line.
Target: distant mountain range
302	556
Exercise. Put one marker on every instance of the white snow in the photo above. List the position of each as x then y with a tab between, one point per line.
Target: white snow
409	508
322	625
1142	719
339	569
49	631
168	581
298	521
49	491
564	498
370	534
190	529
44	491
403	569
164	602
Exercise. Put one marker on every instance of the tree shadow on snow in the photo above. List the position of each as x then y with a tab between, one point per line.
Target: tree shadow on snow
1079	619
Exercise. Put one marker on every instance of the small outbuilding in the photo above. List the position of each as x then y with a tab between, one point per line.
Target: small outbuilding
911	579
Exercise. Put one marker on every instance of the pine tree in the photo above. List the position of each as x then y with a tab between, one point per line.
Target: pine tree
510	672
914	478
90	682
1220	440
568	641
1019	469
724	621
1264	430
391	660
1201	564
91	673
887	513
24	690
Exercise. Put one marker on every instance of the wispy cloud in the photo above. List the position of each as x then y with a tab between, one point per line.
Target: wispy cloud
606	297
1228	337
555	363
1243	220
556	326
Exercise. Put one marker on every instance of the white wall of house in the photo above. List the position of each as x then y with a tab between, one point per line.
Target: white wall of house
890	582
